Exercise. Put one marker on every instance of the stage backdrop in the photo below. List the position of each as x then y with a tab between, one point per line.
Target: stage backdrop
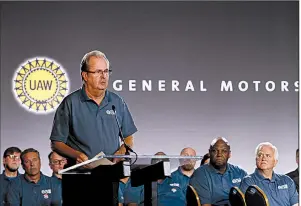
189	72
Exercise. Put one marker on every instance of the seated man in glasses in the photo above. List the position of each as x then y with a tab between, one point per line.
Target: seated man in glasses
213	181
33	187
11	163
279	189
56	163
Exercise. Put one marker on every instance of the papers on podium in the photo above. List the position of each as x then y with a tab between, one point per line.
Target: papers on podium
94	162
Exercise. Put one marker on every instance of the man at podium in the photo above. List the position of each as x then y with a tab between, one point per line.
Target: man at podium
91	119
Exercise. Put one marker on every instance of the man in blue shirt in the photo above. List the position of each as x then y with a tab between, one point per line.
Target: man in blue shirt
56	163
33	188
186	168
84	123
11	163
279	189
295	174
169	191
123	183
213	181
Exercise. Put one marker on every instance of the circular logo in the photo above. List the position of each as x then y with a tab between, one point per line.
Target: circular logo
40	85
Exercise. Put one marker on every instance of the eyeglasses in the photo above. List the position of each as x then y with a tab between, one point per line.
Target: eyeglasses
13	157
105	72
58	162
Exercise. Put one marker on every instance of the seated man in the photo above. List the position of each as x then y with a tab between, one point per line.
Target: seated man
213	181
295	174
169	191
186	169
56	163
11	163
279	189
33	188
122	185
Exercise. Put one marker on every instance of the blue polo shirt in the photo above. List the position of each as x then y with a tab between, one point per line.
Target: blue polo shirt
182	178
83	125
23	192
280	190
214	187
169	193
121	189
4	182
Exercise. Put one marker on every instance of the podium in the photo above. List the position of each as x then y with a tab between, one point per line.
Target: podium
99	186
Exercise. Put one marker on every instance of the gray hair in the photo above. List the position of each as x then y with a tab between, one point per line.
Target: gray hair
258	148
95	53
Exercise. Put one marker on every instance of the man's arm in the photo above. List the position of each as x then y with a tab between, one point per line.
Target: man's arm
121	151
14	195
65	150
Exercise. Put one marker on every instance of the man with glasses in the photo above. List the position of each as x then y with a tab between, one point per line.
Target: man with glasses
279	189
56	163
11	163
213	181
33	187
84	123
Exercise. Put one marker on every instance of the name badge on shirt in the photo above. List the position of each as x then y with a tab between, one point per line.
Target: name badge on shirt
238	180
282	187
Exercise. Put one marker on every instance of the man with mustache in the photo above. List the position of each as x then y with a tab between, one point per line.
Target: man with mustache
186	168
11	163
84	123
33	187
279	189
213	181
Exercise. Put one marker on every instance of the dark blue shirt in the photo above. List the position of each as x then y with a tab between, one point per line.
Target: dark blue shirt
169	193
4	182
121	189
182	178
280	190
214	187
45	192
90	128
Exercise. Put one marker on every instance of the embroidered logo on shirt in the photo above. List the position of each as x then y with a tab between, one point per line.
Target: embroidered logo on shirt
281	187
45	193
173	190
110	112
238	180
175	184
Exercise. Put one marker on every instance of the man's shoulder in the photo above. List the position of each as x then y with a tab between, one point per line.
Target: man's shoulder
113	96
73	95
236	168
285	178
293	174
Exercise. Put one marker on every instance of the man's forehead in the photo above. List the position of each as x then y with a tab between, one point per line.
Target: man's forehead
266	148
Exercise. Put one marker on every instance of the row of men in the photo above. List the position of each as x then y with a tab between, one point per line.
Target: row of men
212	180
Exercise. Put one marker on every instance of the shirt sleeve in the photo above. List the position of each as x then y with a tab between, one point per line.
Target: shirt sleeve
293	194
128	126
245	183
60	127
199	181
14	194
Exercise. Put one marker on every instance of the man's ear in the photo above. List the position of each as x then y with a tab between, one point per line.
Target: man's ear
230	154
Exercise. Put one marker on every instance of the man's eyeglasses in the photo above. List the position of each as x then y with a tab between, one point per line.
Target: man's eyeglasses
59	162
105	72
13	157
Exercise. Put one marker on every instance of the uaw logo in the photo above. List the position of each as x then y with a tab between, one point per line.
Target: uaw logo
238	180
40	85
46	193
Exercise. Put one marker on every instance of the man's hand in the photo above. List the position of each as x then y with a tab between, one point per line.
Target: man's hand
116	160
81	157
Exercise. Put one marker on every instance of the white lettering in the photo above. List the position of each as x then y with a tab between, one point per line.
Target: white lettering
147	85
161	85
174	85
132	85
241	87
189	85
117	88
268	88
227	86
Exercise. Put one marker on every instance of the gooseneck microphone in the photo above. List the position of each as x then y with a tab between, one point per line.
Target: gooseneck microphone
120	133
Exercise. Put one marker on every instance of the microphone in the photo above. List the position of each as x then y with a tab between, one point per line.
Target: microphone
120	133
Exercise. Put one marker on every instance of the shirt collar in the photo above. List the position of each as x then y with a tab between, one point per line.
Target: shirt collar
41	180
216	171
260	177
84	97
181	172
6	177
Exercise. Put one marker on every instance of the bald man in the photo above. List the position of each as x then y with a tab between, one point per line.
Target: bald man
213	181
186	168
